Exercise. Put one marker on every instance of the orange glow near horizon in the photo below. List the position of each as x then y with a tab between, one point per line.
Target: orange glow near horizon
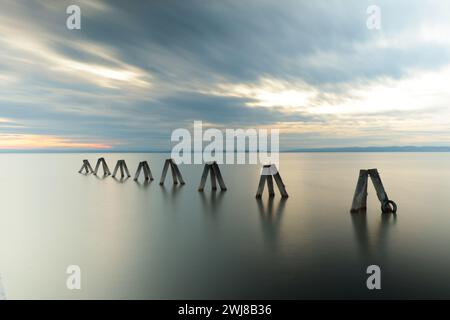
35	141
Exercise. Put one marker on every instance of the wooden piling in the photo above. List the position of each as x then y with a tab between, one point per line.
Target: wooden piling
164	172
143	166
176	174
203	179
104	166
276	175
218	174
122	174
379	188
138	171
262	180
215	175
270	186
387	206
121	164
87	167
360	197
124	165
268	173
147	169
212	175
147	172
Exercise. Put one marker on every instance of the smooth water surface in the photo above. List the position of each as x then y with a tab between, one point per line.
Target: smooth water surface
146	241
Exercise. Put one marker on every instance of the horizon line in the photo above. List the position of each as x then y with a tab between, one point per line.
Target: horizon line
291	150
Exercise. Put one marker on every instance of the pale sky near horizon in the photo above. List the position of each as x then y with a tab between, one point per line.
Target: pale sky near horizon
138	70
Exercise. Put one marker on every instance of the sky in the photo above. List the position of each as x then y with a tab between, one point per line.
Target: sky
138	70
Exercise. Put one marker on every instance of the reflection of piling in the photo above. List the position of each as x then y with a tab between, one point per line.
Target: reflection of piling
214	171
176	174
269	171
123	167
86	166
104	166
143	165
360	197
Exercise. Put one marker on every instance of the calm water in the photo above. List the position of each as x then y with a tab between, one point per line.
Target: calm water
143	241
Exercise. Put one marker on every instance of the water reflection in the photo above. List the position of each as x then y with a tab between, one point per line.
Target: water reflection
359	221
121	179
173	194
102	177
388	221
143	185
161	244
271	217
372	244
211	202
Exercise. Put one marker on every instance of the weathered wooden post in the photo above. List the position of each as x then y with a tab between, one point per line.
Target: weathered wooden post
146	169
214	171
86	166
122	166
104	166
267	172
360	197
387	205
176	174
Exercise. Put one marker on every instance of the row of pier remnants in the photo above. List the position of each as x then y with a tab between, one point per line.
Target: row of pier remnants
269	174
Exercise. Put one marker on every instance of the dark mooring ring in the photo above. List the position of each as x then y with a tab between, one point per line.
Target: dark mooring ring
385	207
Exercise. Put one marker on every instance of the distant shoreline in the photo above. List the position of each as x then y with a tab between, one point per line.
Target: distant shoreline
404	149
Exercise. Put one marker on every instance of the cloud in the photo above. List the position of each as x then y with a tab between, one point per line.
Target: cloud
138	70
33	141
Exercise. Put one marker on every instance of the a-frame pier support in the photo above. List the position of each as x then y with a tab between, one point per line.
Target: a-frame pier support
267	172
123	167
86	166
214	171
360	197
143	165
104	166
176	174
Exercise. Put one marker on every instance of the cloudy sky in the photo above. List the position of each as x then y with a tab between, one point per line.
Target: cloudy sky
135	72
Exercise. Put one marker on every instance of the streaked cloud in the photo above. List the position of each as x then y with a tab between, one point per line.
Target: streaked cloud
137	70
34	141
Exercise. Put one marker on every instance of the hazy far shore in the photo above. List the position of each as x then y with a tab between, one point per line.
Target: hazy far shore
299	150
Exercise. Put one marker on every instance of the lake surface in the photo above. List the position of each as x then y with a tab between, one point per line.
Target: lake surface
144	241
